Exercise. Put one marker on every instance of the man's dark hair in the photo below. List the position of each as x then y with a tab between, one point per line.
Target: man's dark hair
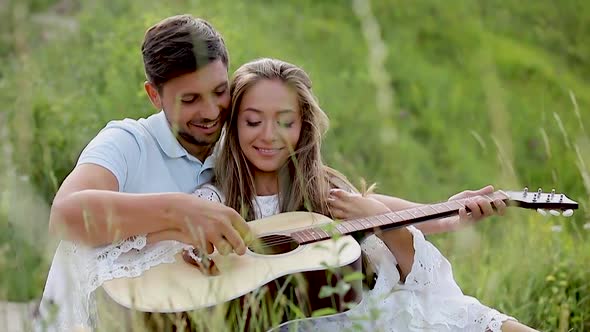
179	45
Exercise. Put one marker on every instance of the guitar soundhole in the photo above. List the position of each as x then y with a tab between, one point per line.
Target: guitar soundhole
274	244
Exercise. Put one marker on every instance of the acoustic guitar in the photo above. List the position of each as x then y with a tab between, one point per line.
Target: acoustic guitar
307	249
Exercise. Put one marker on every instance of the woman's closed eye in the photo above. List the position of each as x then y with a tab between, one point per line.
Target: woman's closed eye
252	123
286	124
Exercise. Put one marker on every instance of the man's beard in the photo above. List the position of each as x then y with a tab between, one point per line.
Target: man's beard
190	139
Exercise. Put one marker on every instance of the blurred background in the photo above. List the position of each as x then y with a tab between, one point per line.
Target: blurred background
426	98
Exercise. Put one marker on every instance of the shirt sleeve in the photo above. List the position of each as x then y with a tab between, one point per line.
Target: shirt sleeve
115	149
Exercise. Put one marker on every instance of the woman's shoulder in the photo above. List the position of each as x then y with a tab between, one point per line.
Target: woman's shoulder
210	192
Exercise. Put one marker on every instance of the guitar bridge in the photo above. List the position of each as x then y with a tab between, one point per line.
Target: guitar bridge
199	259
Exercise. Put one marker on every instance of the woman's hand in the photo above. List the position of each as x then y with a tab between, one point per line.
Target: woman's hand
479	207
345	205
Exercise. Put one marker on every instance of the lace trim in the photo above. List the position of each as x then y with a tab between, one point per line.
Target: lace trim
266	206
427	262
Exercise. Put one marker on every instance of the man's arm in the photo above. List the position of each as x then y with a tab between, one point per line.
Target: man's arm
88	208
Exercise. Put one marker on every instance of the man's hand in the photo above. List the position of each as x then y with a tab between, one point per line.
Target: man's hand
345	205
479	206
206	225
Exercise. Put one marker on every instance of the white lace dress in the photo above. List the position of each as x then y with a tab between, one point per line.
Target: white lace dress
429	300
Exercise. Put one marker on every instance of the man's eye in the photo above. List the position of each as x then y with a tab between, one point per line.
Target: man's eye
220	93
189	99
252	123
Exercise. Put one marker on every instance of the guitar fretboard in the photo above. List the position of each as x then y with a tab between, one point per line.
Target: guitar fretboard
388	220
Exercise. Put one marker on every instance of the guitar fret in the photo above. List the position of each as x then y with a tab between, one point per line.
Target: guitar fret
406	212
354	224
298	236
307	235
313	234
392	219
432	207
346	230
447	207
302	234
419	212
322	233
421	209
383	222
374	222
364	223
380	219
399	217
341	228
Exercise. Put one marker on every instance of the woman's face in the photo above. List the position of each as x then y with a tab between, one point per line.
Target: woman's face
269	125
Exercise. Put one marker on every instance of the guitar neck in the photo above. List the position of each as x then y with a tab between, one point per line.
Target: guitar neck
390	220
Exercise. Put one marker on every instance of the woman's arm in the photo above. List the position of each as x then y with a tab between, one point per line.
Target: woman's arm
479	208
399	241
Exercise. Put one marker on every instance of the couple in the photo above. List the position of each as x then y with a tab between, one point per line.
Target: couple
139	184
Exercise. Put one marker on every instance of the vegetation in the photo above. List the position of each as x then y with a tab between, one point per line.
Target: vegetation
426	98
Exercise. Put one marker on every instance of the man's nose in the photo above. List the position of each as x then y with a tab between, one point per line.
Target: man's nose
211	109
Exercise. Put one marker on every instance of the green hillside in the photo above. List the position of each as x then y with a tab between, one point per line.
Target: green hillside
426	98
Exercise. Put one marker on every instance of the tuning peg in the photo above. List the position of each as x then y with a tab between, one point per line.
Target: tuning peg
555	212
568	213
542	212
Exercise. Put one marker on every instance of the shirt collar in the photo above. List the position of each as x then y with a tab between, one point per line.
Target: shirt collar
163	134
161	131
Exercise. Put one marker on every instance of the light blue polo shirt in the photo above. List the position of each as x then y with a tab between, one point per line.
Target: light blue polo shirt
145	157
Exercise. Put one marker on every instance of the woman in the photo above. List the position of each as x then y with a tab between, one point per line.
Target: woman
270	163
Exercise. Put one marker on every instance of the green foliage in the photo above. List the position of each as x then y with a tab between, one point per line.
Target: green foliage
481	92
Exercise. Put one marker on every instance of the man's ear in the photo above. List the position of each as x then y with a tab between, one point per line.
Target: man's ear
154	95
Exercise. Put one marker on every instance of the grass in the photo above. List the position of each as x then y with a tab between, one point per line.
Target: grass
476	93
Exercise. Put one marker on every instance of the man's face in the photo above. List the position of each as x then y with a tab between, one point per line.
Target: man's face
196	105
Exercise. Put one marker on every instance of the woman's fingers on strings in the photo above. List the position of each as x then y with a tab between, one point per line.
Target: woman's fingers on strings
500	206
474	209
486	207
463	215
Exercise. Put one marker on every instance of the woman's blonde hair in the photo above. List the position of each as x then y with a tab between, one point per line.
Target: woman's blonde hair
304	181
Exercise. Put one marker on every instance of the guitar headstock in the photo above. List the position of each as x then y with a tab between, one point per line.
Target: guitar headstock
541	201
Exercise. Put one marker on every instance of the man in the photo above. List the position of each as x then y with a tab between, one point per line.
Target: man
135	177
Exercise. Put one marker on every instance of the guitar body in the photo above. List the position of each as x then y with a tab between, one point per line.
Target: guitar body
180	287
